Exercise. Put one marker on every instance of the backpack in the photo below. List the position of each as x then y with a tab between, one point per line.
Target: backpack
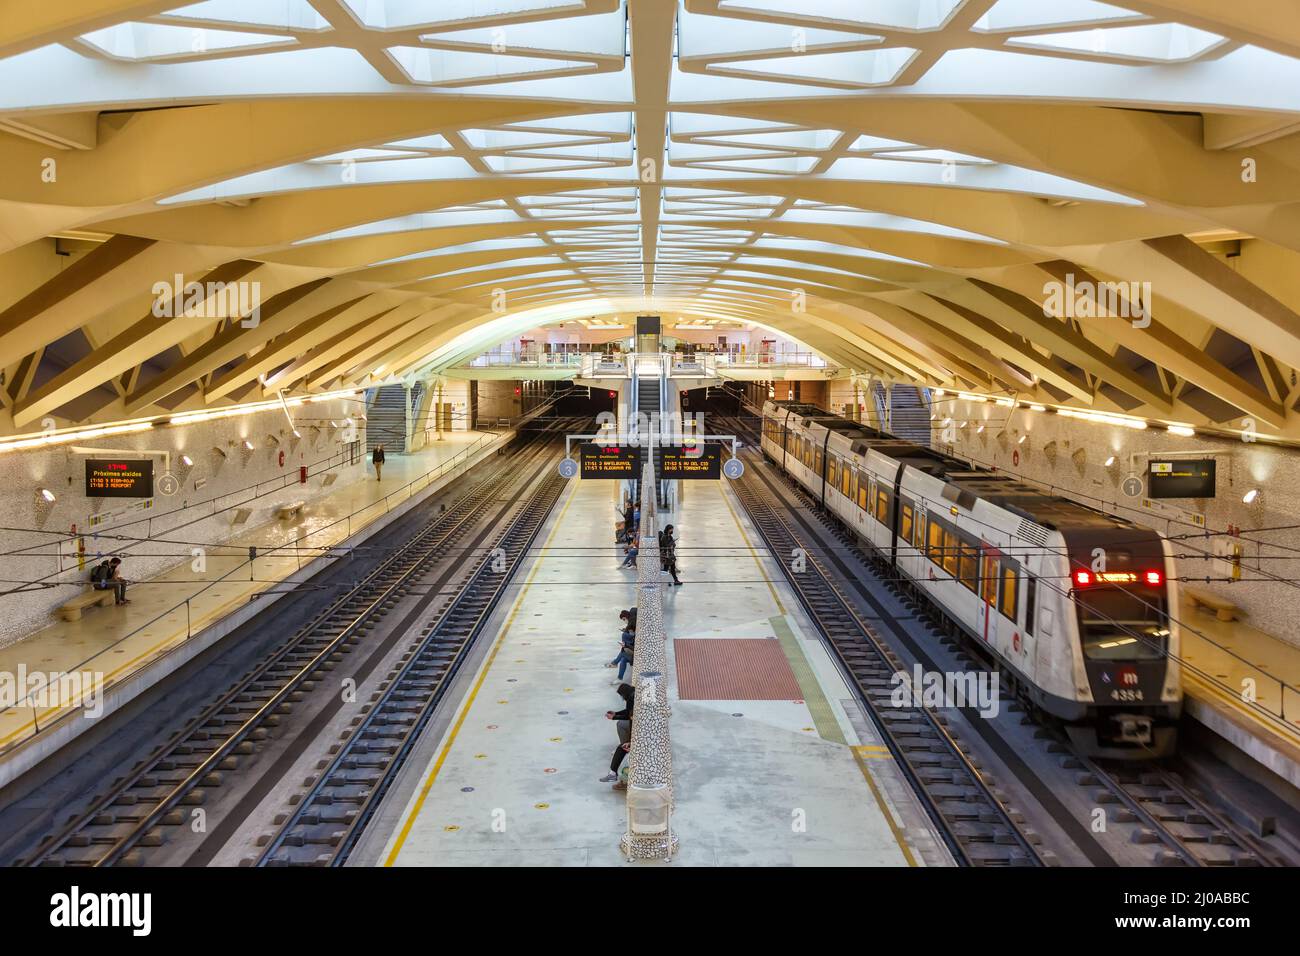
99	574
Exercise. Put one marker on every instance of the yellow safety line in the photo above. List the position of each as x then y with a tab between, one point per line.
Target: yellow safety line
894	828
414	811
860	754
753	552
1212	693
217	613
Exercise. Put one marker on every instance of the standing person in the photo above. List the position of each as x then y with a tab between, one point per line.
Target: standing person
623	724
377	459
668	553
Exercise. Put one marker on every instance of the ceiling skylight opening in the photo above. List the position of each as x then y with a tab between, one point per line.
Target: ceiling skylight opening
161	41
1155	42
895	15
1008	15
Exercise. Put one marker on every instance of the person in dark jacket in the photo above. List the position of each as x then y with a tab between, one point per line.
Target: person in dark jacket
668	553
623	723
377	459
106	575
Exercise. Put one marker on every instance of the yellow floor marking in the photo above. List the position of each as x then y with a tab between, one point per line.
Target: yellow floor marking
881	805
753	552
859	753
414	812
174	639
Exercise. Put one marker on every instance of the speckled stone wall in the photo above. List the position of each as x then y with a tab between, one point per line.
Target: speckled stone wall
31	531
1069	456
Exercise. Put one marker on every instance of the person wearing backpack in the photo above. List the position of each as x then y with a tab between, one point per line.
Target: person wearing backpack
105	576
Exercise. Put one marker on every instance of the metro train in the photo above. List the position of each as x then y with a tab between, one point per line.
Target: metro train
1072	604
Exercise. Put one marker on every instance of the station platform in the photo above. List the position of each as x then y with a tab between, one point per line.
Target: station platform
1225	663
173	616
772	764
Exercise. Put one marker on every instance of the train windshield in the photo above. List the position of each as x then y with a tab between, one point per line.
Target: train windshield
1120	625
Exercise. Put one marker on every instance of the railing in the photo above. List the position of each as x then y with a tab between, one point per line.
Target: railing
650	364
605	365
765	359
62	711
527	358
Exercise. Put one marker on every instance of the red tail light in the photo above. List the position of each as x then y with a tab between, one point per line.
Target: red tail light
1082	578
1154	578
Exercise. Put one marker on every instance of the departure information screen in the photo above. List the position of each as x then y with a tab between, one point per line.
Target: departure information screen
686	461
610	461
1181	478
119	478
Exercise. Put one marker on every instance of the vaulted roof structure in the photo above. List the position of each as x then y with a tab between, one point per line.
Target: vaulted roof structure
1077	202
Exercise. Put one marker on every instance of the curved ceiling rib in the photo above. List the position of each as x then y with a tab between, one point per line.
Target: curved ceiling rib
910	187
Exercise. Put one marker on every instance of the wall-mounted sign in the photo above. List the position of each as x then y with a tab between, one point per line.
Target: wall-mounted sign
1181	478
686	461
610	461
119	478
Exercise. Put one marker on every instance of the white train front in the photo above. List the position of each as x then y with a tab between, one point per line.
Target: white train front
1071	603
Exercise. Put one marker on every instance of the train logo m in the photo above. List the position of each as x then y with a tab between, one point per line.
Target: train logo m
1128	677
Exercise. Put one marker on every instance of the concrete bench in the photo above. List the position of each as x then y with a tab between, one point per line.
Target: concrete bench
1223	609
89	597
292	510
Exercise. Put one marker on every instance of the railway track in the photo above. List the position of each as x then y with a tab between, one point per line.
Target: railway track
327	821
1181	827
978	828
167	790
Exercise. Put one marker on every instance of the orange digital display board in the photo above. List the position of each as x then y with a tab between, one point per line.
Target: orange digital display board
610	461
119	478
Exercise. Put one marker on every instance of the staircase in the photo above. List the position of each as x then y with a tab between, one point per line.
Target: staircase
386	419
910	415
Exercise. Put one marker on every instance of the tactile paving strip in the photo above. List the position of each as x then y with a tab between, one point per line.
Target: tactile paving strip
742	668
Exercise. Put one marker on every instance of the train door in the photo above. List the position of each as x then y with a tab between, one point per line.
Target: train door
990	576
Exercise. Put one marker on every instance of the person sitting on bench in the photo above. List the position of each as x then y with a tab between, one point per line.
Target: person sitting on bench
106	575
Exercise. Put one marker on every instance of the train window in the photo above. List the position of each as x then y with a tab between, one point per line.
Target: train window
853	485
882	506
1118	625
844	480
989	580
862	496
920	533
832	470
818	460
936	542
969	565
1031	589
1009	593
950	552
905	523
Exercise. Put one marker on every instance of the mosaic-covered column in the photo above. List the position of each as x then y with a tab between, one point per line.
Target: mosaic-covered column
649	833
